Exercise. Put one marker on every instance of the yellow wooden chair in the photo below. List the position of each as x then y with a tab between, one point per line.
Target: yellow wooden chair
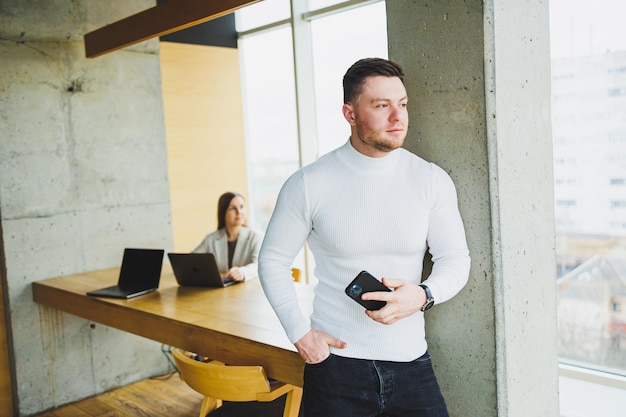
295	273
218	382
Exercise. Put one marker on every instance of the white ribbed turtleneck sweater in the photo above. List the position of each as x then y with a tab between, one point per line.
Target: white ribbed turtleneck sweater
360	213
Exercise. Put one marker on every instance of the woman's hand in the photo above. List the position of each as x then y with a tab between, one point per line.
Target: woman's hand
235	273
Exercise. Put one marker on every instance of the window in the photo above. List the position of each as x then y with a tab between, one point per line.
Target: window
588	46
270	118
568	203
331	59
262	13
276	83
616	92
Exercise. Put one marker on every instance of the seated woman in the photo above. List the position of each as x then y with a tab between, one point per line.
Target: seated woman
234	245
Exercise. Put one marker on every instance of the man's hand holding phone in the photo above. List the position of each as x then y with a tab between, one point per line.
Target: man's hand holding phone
403	299
363	283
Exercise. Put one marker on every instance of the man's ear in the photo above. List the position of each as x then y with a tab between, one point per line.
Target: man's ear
348	113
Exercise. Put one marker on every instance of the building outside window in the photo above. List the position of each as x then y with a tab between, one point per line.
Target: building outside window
589	118
588	46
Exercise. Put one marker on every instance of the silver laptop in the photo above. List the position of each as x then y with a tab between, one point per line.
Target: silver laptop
197	270
140	274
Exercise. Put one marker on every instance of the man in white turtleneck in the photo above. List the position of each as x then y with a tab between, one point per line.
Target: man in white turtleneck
368	205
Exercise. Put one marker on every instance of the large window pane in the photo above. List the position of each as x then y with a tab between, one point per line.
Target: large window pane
589	134
319	4
270	118
262	13
366	27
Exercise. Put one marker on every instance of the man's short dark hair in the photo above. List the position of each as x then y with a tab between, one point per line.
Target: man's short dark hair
367	67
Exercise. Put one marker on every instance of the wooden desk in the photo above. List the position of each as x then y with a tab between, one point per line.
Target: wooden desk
235	325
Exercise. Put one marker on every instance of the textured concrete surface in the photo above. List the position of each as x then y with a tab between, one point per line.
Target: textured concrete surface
83	174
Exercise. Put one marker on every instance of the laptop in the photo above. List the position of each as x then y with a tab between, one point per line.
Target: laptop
140	274
198	270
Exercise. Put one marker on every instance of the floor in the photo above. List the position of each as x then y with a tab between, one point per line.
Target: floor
166	395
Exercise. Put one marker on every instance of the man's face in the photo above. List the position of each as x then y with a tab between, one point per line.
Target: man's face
379	117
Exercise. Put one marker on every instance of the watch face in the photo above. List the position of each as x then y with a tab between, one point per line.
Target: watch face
428	305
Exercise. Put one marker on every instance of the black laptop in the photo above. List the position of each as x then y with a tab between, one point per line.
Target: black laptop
197	270
140	274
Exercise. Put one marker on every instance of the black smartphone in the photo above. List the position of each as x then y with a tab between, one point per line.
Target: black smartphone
365	282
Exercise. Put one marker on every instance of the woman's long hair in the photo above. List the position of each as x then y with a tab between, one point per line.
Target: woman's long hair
222	207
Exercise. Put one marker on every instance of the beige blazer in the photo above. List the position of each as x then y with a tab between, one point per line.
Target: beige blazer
246	255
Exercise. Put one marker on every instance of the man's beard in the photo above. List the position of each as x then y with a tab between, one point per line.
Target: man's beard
373	139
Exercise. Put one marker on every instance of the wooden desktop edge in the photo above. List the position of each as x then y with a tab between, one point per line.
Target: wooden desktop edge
280	363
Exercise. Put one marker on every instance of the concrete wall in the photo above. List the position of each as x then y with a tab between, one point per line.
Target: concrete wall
478	75
83	174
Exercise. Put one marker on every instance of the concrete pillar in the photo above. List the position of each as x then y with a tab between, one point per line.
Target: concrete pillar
478	77
83	174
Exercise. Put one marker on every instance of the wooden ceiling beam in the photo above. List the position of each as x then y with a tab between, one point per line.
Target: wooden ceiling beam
165	18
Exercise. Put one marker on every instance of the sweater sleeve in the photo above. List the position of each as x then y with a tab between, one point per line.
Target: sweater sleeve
446	240
285	236
251	270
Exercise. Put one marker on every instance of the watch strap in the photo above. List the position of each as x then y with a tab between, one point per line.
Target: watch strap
430	301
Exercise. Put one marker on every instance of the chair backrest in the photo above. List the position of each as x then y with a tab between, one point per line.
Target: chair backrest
295	273
216	380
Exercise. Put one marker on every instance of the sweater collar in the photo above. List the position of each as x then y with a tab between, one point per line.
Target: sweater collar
366	165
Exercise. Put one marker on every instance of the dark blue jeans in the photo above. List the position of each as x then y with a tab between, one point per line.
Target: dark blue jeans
345	387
